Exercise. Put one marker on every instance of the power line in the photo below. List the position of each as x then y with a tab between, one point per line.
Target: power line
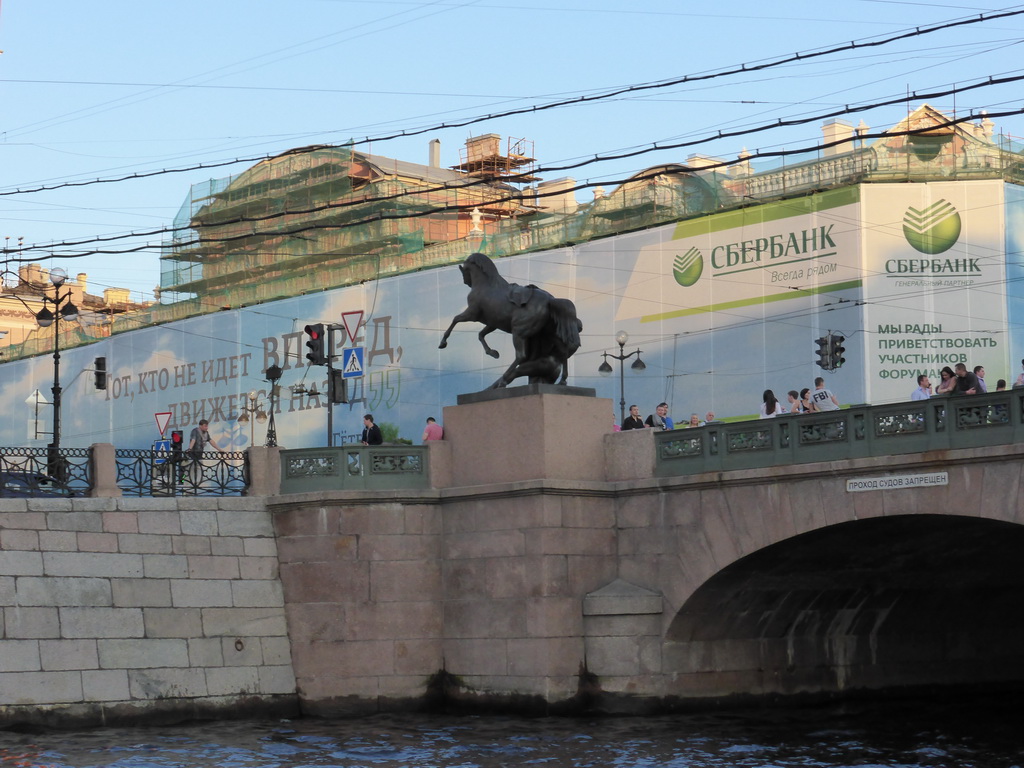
744	68
511	197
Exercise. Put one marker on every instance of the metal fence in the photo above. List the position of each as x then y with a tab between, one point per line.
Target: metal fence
148	472
941	423
45	471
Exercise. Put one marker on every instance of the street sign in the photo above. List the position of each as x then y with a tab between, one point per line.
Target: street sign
352	321
352	362
162	420
161	451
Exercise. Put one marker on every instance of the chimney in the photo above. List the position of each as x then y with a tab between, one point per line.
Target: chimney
82	280
435	153
837	130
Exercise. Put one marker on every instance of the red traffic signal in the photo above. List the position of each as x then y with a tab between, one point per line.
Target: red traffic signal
317	354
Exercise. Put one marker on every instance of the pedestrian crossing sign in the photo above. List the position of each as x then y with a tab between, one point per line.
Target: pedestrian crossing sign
352	362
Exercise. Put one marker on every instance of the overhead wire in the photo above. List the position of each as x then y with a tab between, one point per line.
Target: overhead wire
755	66
509	197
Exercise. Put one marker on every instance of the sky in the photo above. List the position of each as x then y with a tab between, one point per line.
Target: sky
171	94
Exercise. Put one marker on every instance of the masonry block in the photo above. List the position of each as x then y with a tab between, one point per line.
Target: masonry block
199	522
160	521
545	656
326	582
138	593
418	657
15	539
232	681
165	566
68	654
100	564
26	520
167	683
200	593
63	591
209	567
241	651
74	521
142	653
120	522
244	523
105	685
363	658
97	542
145	543
58	541
191	545
405	580
21	564
101	622
206	652
24	622
476	657
21	688
19	656
227	546
484	618
173	622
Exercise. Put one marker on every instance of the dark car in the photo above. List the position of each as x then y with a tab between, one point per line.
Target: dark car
20	484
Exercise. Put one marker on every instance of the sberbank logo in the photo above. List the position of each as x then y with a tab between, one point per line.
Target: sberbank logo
933	229
688	267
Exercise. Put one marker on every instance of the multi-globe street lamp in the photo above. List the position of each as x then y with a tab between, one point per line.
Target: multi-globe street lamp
251	412
45	318
606	370
252	409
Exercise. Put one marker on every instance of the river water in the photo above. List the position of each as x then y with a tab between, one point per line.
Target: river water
906	735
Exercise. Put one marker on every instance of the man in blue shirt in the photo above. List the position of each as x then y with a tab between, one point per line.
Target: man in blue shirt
924	389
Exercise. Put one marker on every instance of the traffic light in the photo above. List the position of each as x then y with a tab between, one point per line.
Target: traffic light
100	369
177	438
824	351
337	389
836	351
315	344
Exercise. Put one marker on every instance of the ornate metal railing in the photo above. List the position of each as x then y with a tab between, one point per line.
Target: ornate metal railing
45	471
148	472
942	423
354	467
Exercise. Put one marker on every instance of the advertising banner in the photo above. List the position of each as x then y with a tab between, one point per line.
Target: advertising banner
720	308
935	273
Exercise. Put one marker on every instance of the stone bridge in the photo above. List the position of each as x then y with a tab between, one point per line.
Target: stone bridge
552	566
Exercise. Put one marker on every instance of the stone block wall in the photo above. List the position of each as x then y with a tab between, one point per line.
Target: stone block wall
126	608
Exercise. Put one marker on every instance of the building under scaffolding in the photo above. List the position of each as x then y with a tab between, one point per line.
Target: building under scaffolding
324	217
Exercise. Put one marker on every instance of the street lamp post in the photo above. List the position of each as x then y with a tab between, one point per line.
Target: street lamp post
606	370
45	318
273	375
251	412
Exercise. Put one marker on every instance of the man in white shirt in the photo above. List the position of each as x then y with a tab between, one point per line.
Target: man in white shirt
823	399
924	389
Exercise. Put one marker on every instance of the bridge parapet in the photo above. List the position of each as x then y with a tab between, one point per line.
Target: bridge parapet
355	468
938	424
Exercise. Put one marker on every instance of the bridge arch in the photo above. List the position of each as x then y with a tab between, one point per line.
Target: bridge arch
903	600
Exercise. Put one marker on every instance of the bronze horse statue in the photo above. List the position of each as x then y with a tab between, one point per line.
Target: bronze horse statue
545	330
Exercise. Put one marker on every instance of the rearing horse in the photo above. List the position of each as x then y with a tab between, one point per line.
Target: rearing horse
545	330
